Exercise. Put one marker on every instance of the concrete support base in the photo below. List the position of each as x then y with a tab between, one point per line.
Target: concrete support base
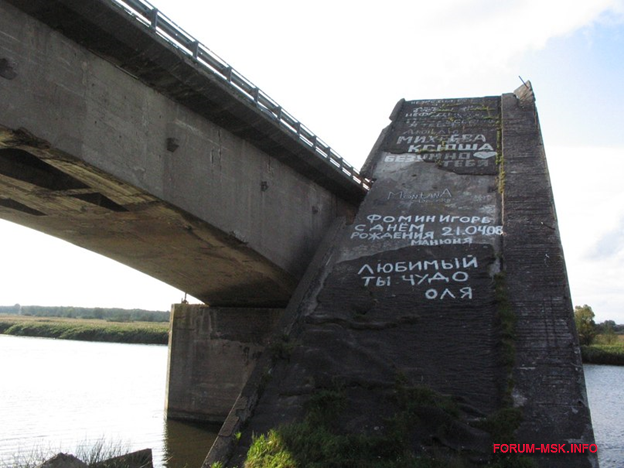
212	352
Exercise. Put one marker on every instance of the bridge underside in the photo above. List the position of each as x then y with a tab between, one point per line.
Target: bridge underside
188	182
54	193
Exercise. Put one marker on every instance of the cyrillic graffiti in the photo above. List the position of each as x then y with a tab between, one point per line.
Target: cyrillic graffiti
426	229
447	150
446	159
436	275
444	196
469	261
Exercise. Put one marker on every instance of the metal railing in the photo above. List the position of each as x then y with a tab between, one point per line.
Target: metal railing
148	15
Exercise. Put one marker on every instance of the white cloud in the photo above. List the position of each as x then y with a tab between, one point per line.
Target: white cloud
589	197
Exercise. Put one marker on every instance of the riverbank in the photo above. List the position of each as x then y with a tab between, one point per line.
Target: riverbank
603	354
85	329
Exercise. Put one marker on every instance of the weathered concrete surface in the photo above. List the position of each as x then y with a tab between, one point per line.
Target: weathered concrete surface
410	295
90	154
212	352
549	384
288	325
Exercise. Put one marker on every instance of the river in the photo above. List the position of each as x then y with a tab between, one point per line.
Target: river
606	402
56	395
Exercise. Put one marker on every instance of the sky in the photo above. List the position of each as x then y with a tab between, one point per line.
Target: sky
339	67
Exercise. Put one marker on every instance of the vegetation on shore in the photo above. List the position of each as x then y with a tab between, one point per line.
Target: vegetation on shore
601	343
603	354
113	314
85	330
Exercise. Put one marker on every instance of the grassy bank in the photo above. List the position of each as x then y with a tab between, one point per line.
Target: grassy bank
85	329
605	349
603	354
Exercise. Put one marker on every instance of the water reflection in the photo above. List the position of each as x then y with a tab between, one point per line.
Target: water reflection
56	395
186	444
606	402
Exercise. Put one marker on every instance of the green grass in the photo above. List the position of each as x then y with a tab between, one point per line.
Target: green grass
317	441
85	330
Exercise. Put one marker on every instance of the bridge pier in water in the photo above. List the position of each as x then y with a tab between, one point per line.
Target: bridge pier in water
212	352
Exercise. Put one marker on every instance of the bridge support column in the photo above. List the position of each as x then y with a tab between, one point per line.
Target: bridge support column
212	352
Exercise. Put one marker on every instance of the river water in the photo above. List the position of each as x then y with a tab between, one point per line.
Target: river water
56	395
605	391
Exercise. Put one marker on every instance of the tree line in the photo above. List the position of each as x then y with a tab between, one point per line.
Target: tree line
103	313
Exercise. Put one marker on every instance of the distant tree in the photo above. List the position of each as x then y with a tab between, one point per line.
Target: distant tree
605	326
14	309
585	325
606	330
120	315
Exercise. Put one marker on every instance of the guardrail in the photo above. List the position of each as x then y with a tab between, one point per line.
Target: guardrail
151	17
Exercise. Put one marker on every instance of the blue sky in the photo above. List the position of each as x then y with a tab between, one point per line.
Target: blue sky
340	68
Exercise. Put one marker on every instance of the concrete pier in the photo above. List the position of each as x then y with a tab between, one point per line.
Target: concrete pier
212	352
450	282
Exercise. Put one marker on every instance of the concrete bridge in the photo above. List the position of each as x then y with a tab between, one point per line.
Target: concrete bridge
122	134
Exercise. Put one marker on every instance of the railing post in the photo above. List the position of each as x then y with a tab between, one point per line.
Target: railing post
228	74
195	49
154	19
